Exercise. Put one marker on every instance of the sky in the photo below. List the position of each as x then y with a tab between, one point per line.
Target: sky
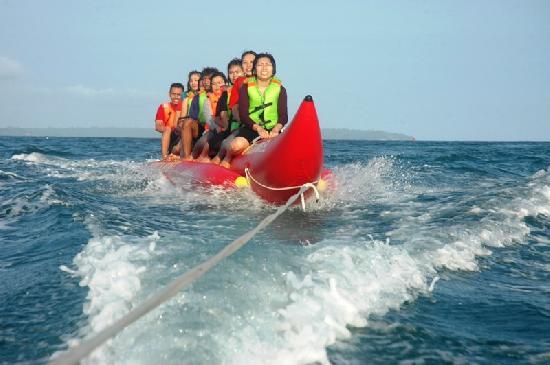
435	69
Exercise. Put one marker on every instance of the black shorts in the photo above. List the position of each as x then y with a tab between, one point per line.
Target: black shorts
174	140
199	134
216	140
247	133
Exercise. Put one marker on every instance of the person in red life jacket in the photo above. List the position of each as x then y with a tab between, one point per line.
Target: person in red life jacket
220	142
194	124
216	125
234	70
262	107
247	63
165	121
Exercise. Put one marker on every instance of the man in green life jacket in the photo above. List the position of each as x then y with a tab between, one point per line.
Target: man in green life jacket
262	107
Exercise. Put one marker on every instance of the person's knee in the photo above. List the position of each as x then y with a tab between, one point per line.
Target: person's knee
187	123
181	123
239	144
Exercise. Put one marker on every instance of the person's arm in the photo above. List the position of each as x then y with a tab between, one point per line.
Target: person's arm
282	111
164	128
208	116
159	119
222	119
234	99
235	111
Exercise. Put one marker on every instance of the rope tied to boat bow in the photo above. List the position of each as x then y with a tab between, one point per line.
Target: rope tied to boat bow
77	353
302	198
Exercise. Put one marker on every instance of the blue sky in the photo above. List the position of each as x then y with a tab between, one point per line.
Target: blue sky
436	70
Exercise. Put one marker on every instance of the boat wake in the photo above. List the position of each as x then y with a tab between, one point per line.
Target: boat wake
383	241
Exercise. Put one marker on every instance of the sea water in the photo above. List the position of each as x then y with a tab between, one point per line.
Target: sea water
424	253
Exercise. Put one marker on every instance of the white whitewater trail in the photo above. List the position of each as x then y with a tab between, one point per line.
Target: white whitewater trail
276	304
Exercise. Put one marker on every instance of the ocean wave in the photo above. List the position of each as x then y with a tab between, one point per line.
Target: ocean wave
7	175
111	267
28	203
286	305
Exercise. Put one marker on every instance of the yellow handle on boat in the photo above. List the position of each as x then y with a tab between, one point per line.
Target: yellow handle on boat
322	185
241	182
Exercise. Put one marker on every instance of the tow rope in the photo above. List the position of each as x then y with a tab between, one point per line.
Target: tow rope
77	353
310	185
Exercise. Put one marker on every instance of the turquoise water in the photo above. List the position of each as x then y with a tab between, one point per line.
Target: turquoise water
425	253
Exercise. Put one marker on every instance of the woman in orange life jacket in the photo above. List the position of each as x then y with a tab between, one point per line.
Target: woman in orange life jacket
215	124
165	121
234	71
194	124
262	107
192	89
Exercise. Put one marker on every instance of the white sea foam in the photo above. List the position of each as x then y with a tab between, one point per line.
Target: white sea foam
27	204
111	268
285	305
82	170
9	174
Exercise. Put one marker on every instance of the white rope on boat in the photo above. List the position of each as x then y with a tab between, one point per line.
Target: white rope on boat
74	355
311	185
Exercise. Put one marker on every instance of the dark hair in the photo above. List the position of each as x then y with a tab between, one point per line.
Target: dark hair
208	71
219	74
247	52
234	62
191	73
176	84
264	55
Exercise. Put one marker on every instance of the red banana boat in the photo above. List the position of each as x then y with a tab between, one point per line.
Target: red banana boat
275	169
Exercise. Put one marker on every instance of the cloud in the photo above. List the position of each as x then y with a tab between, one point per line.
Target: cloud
9	69
79	90
77	106
91	93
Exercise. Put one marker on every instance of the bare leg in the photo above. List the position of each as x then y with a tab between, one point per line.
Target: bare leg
203	157
190	131
200	151
226	145
216	160
176	149
165	142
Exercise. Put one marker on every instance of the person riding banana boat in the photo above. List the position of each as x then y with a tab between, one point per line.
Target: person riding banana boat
262	107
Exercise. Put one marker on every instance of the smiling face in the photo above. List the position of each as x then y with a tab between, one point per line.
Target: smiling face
264	69
247	63
205	83
234	72
194	82
175	95
217	83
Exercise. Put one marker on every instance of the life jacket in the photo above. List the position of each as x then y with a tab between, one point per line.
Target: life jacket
202	100
233	124
263	109
189	99
167	109
213	98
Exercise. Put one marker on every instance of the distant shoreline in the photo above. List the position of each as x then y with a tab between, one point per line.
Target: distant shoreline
327	133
